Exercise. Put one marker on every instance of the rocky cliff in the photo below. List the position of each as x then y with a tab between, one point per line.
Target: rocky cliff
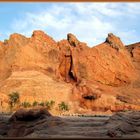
103	78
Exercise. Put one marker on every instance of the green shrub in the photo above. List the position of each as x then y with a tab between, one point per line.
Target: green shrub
42	104
63	106
26	104
50	104
14	99
35	103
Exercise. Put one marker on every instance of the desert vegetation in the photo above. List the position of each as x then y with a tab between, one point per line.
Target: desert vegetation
50	104
41	104
14	99
47	104
26	104
35	103
63	106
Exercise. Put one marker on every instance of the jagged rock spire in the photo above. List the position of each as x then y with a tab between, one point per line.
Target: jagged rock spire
114	41
72	39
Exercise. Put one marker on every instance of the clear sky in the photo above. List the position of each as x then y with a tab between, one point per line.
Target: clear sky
90	22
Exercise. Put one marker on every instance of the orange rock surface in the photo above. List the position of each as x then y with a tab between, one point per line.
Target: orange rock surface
105	77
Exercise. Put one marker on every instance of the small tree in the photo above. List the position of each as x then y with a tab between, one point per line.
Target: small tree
26	104
13	99
35	103
63	106
42	104
50	104
47	104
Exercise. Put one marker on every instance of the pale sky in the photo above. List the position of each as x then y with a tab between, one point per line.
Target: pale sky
90	22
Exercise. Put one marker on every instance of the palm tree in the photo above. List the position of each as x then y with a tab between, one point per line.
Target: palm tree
13	99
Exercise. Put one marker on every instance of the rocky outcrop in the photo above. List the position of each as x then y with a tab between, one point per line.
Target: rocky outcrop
134	50
127	124
73	40
99	63
66	62
25	122
119	125
114	42
40	68
29	115
131	48
70	59
17	40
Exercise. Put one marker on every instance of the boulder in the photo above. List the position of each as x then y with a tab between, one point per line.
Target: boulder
29	115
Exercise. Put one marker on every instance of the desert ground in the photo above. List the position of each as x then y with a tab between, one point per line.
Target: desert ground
119	125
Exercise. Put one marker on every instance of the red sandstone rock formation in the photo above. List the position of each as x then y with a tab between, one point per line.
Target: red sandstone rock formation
40	68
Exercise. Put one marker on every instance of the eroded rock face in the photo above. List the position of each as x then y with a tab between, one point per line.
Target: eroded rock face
17	40
42	53
65	67
33	66
72	40
8	51
119	125
24	122
132	46
114	42
134	50
101	62
127	124
29	115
